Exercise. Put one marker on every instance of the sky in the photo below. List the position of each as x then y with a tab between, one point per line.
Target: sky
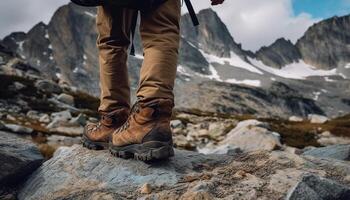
253	23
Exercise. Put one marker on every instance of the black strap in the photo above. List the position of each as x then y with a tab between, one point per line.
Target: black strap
192	12
133	30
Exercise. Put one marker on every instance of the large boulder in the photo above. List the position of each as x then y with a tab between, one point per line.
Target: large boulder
339	152
79	173
312	187
76	173
18	158
249	135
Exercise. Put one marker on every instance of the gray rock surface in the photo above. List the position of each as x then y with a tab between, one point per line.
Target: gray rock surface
66	98
74	170
312	187
325	44
279	54
18	128
252	135
339	152
18	158
317	119
78	173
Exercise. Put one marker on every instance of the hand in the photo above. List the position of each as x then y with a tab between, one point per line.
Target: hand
216	2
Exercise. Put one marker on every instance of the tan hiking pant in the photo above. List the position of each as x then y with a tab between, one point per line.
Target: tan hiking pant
160	39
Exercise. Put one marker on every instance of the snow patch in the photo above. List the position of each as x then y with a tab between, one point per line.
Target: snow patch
234	60
58	75
254	83
214	74
20	45
297	70
50	46
139	56
328	79
47	34
316	95
347	66
51	57
182	70
90	14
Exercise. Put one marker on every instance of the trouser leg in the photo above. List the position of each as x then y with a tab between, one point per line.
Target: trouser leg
160	38
113	26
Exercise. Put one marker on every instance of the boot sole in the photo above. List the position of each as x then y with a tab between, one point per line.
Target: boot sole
147	152
93	145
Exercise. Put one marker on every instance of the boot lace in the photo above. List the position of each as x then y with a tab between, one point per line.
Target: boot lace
135	109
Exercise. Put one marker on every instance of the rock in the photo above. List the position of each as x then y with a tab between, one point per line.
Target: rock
2	126
66	98
315	188
32	114
317	119
75	170
18	158
48	86
339	152
228	149
63	115
251	135
67	130
18	128
327	139
18	86
79	120
45	118
58	118
10	117
295	119
146	189
176	124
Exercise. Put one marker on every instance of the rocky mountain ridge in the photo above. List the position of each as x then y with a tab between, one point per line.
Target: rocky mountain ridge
65	51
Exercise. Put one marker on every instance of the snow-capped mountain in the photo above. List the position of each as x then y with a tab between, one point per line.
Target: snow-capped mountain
215	74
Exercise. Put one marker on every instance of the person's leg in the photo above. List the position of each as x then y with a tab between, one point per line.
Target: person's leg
147	135
113	25
160	33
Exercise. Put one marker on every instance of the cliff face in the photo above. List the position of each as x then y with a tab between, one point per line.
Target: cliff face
279	54
326	45
212	35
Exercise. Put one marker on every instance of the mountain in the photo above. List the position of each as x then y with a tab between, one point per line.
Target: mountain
326	45
279	80
279	54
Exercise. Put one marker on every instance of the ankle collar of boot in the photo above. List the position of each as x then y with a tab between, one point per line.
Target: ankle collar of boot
115	117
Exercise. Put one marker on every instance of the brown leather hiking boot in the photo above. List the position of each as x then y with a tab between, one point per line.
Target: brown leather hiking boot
146	135
96	135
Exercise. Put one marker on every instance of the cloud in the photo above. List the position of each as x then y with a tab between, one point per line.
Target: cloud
21	15
256	23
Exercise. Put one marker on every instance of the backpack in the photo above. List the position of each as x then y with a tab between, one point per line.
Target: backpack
140	5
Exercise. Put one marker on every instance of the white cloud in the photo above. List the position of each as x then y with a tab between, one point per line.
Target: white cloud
256	23
21	15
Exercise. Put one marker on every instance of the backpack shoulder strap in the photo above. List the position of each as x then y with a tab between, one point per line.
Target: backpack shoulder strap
133	30
192	12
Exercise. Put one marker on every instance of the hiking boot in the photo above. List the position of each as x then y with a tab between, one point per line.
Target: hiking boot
146	135
96	135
